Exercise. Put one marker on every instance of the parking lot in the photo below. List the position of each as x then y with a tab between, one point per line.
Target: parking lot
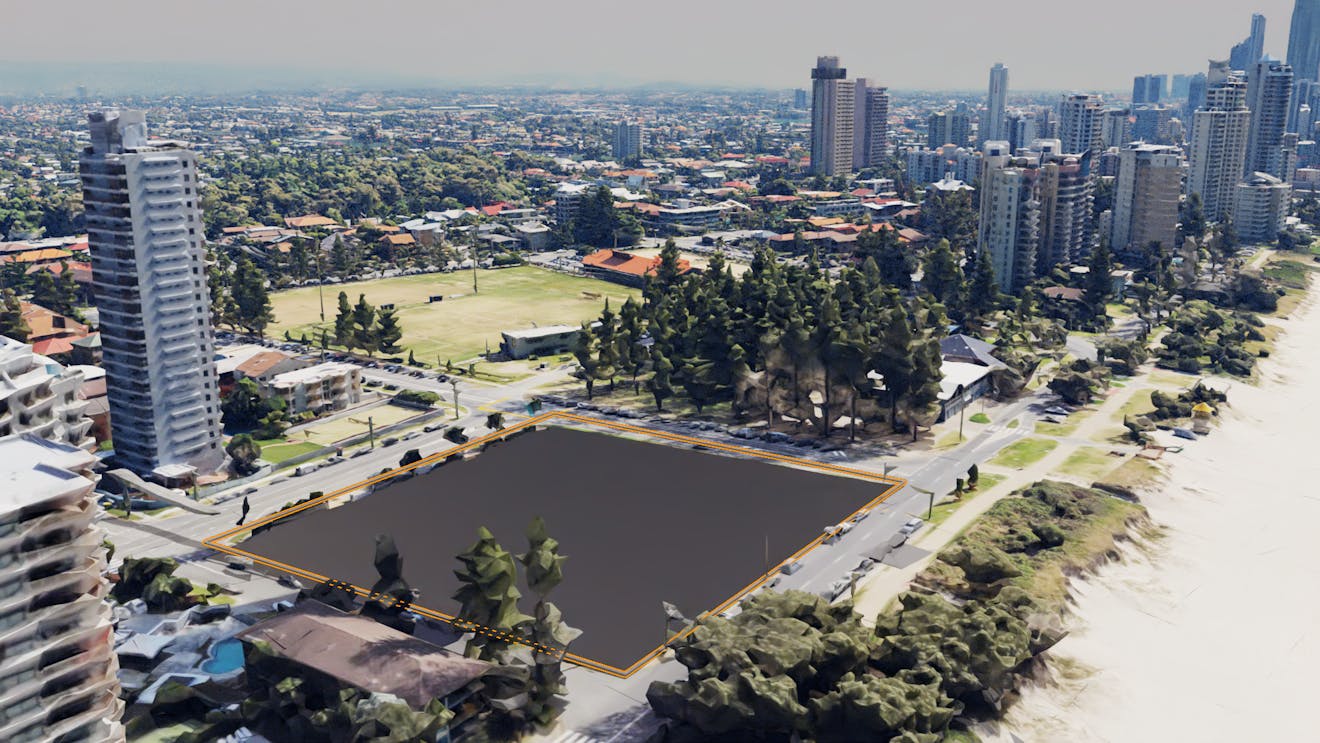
641	523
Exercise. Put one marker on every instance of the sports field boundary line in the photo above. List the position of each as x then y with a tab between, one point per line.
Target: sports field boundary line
221	541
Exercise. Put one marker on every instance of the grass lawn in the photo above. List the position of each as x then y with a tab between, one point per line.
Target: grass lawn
1291	274
980	418
945	510
1088	463
949	440
461	326
1137	404
278	450
1022	453
1013	423
339	429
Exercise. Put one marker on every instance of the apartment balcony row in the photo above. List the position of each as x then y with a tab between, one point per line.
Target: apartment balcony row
46	649
86	610
82	659
81	711
60	534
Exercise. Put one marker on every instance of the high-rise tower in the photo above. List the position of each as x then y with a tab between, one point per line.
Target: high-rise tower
1269	92
1219	142
144	226
832	102
996	103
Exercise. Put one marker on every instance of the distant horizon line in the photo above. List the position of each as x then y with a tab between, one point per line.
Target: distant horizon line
62	79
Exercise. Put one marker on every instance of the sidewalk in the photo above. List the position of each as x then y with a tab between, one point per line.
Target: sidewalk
878	589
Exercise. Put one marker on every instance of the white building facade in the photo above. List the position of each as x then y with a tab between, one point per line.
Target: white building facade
319	389
57	662
1218	148
40	397
144	226
1261	208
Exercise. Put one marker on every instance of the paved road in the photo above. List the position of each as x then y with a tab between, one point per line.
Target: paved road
604	708
181	533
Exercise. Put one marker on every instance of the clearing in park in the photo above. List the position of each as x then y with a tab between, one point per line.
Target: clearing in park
459	327
641	523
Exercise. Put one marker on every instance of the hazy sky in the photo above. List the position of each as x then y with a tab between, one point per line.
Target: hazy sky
1047	44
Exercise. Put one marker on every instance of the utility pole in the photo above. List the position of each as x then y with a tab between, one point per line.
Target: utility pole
474	254
930	510
320	278
371	431
453	383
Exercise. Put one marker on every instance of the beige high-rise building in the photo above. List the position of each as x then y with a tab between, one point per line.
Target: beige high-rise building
58	671
870	124
1009	215
1146	197
1081	123
1218	148
832	118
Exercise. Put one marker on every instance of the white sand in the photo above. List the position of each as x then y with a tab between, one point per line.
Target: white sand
1211	633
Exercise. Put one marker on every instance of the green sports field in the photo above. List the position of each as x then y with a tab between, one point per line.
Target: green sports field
459	327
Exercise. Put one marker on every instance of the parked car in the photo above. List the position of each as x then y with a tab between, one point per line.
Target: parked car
1184	433
1056	410
911	526
389	441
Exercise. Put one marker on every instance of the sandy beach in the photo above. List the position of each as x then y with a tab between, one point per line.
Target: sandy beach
1212	631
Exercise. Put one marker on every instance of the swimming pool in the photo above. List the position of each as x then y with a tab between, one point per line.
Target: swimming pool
226	656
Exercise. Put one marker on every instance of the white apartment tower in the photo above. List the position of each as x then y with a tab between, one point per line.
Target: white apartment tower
627	140
870	124
144	226
40	397
1067	200
1269	94
996	103
1010	216
1081	123
832	118
58	668
1146	197
1261	207
1218	148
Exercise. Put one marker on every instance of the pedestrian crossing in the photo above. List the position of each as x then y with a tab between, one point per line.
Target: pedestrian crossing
573	736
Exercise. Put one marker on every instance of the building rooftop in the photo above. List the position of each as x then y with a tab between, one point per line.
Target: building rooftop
365	654
35	470
532	333
313	373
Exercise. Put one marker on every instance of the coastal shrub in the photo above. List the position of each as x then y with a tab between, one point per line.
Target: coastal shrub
1048	535
981	564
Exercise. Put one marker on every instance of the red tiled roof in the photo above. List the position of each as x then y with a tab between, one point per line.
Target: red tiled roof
53	346
618	261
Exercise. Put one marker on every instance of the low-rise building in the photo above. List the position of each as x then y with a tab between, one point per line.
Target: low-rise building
520	344
332	650
1261	208
625	268
58	671
40	397
318	389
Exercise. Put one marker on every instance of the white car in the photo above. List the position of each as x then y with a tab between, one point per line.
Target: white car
911	526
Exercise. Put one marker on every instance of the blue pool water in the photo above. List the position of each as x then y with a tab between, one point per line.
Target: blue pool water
226	656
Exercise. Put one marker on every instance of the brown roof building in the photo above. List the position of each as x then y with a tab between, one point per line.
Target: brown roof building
364	654
625	268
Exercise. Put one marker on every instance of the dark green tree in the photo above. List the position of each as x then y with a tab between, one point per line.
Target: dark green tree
12	324
252	308
388	332
244	451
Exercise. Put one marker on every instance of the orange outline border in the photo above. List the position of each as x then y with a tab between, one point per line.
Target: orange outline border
217	541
